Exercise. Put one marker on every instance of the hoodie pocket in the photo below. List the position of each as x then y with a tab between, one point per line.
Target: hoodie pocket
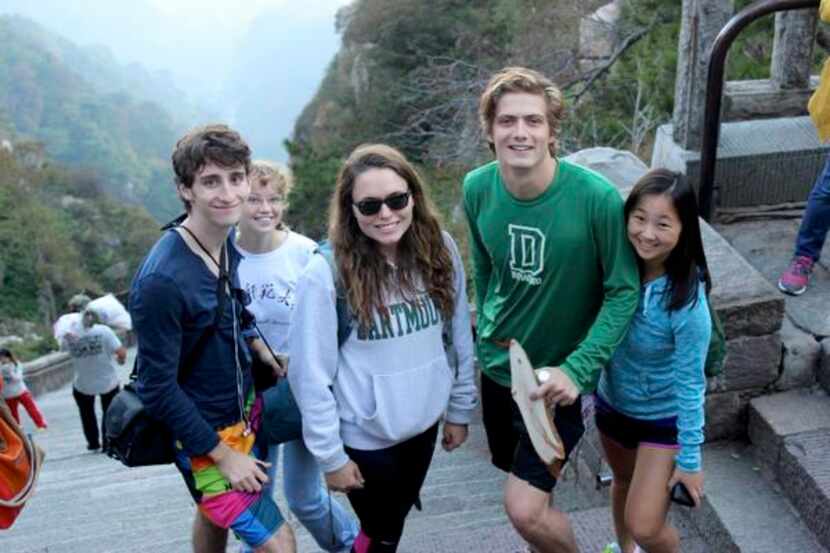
409	402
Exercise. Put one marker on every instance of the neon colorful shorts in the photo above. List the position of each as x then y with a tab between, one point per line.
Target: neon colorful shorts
253	517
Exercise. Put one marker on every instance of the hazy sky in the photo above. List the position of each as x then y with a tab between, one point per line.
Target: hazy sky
201	41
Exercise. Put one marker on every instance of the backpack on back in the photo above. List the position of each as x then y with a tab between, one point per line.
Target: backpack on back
716	355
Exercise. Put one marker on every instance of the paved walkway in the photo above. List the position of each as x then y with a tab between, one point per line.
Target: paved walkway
88	503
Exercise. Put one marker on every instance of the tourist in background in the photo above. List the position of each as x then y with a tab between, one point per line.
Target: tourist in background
816	220
274	256
649	401
14	389
371	405
92	350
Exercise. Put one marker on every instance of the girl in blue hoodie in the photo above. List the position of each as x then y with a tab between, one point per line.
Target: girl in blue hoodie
649	402
372	403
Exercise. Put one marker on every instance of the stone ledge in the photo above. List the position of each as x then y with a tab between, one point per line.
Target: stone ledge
758	519
751	363
804	474
764	98
774	418
48	372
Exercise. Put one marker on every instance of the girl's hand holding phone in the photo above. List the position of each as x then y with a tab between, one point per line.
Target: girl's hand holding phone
686	486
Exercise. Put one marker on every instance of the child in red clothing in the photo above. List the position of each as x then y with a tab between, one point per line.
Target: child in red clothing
14	390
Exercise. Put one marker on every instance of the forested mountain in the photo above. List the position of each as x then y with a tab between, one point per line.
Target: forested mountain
410	73
60	235
88	112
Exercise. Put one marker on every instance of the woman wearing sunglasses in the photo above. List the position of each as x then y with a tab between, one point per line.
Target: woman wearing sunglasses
371	405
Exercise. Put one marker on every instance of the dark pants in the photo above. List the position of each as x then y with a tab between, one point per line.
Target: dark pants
816	219
86	406
392	481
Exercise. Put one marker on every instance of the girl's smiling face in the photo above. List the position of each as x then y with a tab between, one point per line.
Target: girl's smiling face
654	229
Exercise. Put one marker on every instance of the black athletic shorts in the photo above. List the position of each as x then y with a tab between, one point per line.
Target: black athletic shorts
510	445
629	432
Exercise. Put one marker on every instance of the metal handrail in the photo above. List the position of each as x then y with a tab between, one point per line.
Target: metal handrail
714	87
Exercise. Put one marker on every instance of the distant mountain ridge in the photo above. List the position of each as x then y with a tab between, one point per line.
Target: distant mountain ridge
90	112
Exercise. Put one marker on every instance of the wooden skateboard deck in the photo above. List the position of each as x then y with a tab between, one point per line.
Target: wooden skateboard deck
538	418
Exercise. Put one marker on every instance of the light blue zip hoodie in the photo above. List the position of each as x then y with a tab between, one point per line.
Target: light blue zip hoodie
657	371
382	386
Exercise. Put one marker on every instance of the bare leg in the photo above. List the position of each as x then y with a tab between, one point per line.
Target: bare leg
648	501
544	528
621	461
207	537
282	542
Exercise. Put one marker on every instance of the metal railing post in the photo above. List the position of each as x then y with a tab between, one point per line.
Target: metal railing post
714	88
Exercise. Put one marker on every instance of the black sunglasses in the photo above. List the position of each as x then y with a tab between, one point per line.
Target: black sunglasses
371	206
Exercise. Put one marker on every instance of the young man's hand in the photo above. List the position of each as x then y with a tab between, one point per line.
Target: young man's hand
345	479
277	362
244	473
559	389
454	435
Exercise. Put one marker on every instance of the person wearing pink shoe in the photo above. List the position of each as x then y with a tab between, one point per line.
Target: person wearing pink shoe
816	220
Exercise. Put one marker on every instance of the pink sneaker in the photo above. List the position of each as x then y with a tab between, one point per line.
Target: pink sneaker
794	280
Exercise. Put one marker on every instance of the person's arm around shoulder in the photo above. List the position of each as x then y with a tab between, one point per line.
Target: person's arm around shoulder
692	328
313	352
463	395
620	288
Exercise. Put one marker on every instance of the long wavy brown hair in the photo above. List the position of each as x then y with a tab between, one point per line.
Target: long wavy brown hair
422	255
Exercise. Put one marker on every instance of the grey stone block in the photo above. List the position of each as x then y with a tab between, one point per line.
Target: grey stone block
754	158
751	362
773	418
621	167
725	416
742	512
801	358
748	305
48	372
805	478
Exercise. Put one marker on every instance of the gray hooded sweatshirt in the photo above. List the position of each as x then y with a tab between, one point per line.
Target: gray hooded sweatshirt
385	384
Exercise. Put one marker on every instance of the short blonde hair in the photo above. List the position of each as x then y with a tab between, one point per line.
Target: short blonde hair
522	79
264	173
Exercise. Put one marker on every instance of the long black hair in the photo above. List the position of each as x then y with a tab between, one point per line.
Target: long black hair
686	265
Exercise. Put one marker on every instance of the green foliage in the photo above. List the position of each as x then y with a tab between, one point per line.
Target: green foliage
61	235
33	348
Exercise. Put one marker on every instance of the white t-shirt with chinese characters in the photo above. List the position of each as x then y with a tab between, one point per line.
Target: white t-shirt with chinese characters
92	355
270	279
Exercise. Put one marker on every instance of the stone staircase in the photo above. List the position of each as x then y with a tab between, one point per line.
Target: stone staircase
766	470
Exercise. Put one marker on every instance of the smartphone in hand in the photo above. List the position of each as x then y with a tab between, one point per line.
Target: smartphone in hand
680	495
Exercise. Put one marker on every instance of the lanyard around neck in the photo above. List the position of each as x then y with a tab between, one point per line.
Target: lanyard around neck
222	260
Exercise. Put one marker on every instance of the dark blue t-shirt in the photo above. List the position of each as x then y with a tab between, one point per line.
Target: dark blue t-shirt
172	302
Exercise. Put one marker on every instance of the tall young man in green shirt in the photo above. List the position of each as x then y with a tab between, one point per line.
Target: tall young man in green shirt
552	269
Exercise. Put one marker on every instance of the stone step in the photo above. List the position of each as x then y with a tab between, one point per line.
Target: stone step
791	433
804	473
775	417
744	512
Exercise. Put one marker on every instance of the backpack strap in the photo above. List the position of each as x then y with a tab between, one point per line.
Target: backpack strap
345	317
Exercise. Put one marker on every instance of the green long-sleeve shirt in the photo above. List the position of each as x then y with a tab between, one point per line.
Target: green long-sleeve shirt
556	272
